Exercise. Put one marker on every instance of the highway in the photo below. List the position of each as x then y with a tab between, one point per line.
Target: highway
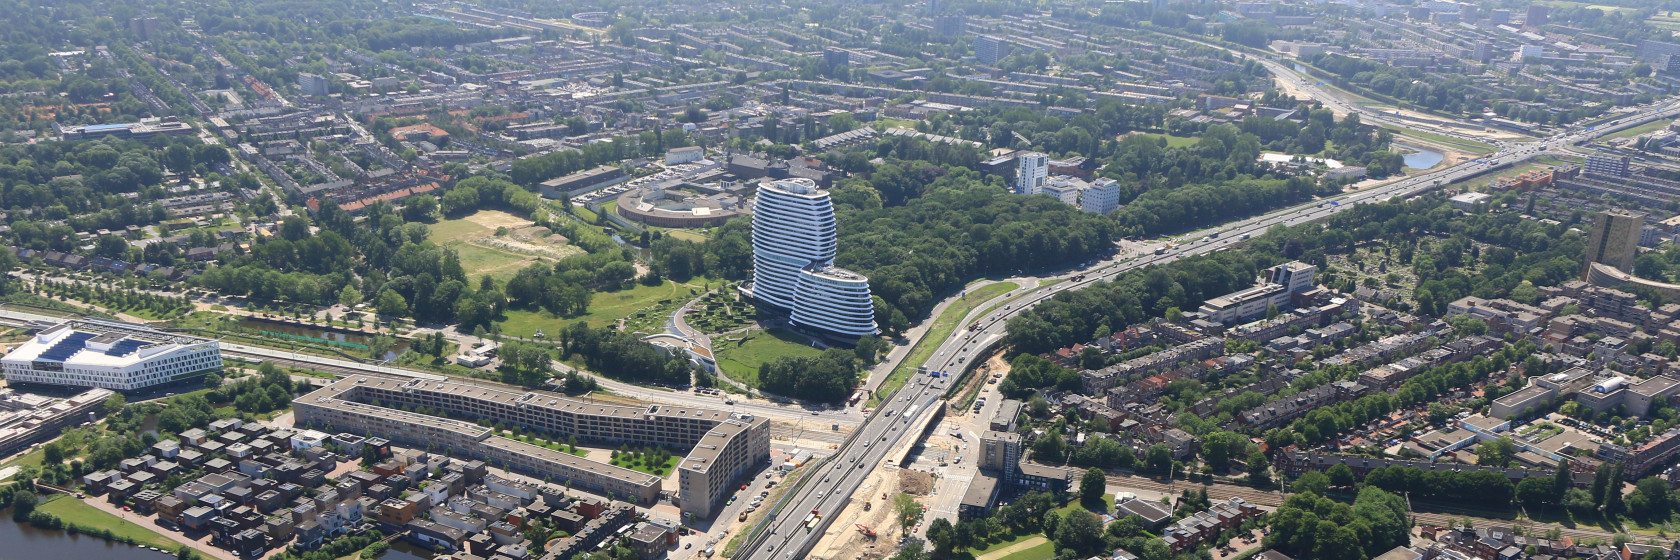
785	535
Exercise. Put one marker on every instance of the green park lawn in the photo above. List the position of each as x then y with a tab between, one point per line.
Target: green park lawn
1042	551
605	309
637	464
740	360
1003	540
74	511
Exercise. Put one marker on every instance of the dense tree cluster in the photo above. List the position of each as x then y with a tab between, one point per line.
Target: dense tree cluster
624	356
87	184
827	377
1311	527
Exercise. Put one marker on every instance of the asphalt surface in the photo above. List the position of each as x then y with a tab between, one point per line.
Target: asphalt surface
830	484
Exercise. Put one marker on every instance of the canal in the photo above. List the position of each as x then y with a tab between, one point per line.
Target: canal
21	541
354	343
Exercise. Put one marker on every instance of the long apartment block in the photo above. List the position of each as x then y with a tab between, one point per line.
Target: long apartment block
722	446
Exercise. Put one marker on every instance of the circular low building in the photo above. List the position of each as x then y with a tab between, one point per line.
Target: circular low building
682	205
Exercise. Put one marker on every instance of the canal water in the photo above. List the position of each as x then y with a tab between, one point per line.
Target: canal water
21	541
353	343
1419	158
404	550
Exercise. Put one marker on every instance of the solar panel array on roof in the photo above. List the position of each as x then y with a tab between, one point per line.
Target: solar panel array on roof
125	347
69	346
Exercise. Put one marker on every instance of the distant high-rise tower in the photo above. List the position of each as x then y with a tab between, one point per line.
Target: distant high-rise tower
143	27
1536	16
990	49
1032	170
835	56
312	84
794	243
949	26
1615	238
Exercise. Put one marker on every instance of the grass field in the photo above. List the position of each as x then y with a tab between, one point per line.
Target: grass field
1474	147
605	308
1638	130
1041	551
1600	7
639	465
936	335
477	260
72	510
1003	541
1177	141
30	459
684	234
740	361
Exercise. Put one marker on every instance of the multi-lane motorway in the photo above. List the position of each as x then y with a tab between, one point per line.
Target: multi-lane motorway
785	534
789	531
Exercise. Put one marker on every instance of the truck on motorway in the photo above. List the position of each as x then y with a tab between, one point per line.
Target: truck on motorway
811	522
1160	250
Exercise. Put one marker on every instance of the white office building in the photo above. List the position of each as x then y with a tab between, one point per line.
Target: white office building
1526	51
793	261
1273	290
1102	197
110	355
1031	172
1065	189
835	300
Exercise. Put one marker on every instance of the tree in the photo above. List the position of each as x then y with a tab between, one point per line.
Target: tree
1613	504
115	404
943	536
1534	491
1340	475
392	304
1093	488
185	553
1079	531
1562	480
909	511
53	454
23	503
1259	470
1312	481
1601	481
1158	459
1496	453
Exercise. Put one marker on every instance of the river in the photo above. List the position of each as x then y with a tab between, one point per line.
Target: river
22	541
